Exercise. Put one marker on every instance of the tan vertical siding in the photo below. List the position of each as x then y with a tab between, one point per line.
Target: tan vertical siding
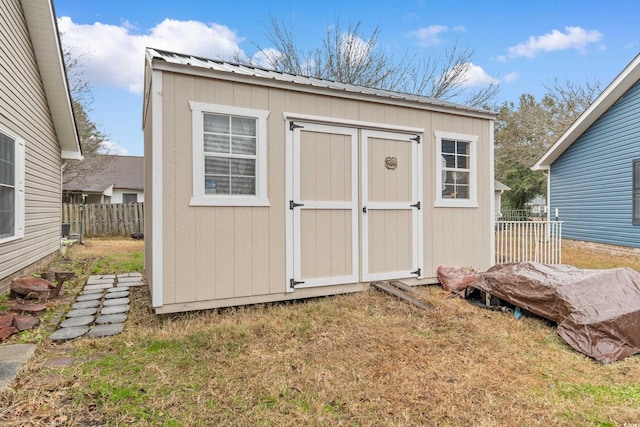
148	188
25	113
238	253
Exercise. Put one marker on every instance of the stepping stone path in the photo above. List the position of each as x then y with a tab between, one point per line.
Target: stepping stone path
100	309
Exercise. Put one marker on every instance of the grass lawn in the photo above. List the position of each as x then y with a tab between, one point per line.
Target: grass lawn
361	359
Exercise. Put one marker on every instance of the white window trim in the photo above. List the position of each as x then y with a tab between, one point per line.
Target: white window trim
199	198
472	201
19	157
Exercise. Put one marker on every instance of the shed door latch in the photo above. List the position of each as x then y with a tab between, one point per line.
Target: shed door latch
293	204
293	283
364	209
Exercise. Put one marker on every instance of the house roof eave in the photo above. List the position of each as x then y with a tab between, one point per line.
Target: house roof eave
45	38
627	78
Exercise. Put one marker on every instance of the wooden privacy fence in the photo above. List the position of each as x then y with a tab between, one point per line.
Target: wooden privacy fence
538	241
96	220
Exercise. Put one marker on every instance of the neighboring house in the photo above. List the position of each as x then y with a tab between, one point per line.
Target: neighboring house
117	179
265	186
594	168
499	188
537	206
37	132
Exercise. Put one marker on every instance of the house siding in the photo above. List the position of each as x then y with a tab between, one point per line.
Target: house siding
24	112
220	256
591	182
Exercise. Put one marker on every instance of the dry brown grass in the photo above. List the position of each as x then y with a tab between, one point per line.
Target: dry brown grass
363	359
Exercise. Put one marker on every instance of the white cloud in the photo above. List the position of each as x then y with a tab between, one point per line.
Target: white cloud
511	77
110	147
356	48
476	76
460	28
112	56
574	38
267	57
428	36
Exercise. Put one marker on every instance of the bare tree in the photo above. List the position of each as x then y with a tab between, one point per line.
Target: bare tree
348	55
91	138
524	131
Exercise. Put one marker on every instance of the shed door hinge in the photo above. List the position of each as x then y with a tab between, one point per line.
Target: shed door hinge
416	205
293	126
293	204
416	139
417	272
293	283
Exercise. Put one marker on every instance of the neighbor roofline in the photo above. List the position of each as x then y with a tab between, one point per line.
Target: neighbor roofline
309	85
618	87
45	39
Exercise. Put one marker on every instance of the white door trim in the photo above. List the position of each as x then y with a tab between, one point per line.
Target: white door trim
416	217
293	239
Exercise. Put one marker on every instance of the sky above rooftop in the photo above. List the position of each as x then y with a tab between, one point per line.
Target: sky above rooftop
523	46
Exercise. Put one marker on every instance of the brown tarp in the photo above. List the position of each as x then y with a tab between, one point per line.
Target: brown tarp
597	311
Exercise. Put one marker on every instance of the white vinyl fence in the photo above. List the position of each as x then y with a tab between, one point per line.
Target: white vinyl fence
538	241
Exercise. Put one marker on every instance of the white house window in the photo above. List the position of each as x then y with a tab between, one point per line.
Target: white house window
129	197
456	177
229	156
11	187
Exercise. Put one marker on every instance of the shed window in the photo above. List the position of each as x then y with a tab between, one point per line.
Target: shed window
455	170
636	192
229	156
11	187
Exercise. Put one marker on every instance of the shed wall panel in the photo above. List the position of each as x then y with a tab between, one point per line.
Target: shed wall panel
591	182
227	253
24	112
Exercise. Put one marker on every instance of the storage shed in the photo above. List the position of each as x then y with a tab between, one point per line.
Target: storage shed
264	186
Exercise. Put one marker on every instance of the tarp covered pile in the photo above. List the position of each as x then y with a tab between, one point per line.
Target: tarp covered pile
597	311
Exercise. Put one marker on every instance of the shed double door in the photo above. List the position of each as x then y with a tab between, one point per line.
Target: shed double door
353	206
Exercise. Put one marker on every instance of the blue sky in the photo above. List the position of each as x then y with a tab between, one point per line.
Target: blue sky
522	45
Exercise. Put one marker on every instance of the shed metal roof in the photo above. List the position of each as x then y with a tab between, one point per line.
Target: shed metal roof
172	58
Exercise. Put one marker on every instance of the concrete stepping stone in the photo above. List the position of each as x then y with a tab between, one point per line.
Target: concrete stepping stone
102	276
118	289
131	284
100	287
106	330
111	318
115	295
125	275
92	291
99	281
129	279
115	309
116	301
86	304
82	312
89	297
73	322
65	334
